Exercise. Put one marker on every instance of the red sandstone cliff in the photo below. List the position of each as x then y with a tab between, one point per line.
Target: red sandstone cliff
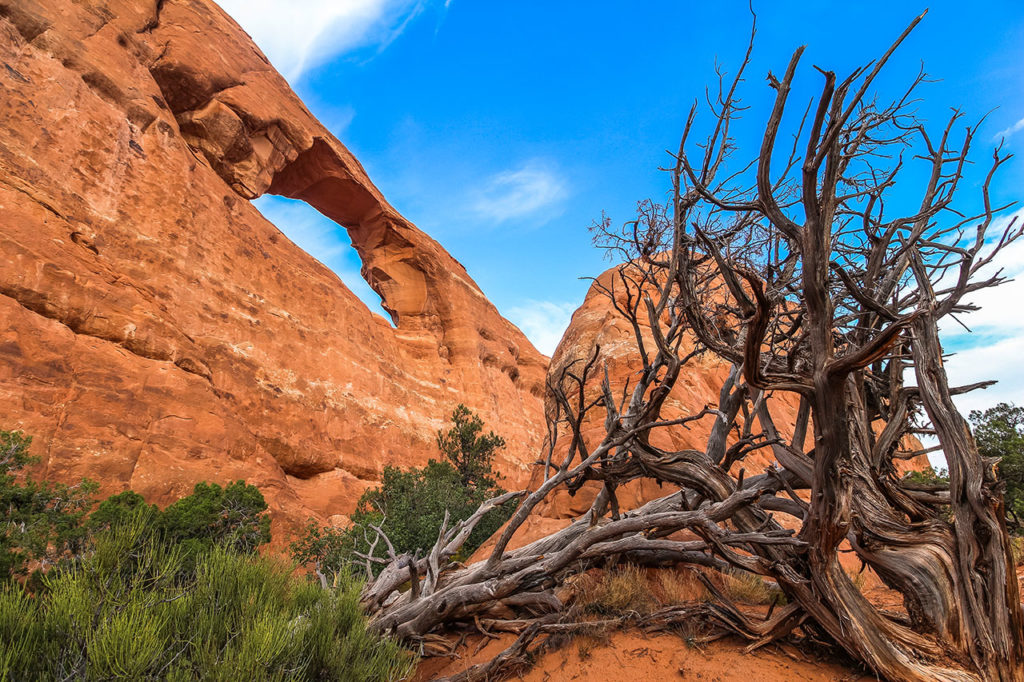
156	330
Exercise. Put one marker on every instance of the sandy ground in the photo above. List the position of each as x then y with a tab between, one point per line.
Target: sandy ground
634	656
637	657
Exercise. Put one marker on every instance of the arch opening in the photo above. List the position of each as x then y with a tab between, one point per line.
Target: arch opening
324	240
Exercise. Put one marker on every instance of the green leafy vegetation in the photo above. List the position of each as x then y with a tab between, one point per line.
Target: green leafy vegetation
134	592
233	517
999	432
136	608
410	506
929	476
40	522
469	450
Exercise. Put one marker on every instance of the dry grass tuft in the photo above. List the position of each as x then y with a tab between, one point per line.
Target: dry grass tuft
585	644
858	578
747	588
616	592
678	586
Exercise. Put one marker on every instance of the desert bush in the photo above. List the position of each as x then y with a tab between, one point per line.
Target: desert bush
410	505
233	517
40	521
929	476
133	592
123	508
131	610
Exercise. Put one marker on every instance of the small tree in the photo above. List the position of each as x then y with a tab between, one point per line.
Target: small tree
999	432
413	507
39	521
470	451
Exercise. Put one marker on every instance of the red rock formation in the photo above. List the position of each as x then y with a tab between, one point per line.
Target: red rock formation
157	331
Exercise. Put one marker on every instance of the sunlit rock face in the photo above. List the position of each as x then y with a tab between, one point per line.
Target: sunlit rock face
157	331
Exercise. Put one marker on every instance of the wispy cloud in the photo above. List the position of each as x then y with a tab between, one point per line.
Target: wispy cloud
301	34
525	190
1007	132
998	316
543	322
994	346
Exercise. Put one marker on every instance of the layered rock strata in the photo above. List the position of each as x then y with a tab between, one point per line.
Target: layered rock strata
156	330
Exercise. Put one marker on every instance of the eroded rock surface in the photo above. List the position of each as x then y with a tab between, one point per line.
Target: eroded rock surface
156	330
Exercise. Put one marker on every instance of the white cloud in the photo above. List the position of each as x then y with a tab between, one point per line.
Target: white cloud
994	348
543	322
302	34
519	192
1007	132
1002	360
1001	307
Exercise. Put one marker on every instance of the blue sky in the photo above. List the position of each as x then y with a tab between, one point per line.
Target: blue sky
504	129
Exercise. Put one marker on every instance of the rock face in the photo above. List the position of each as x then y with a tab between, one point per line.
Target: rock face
156	330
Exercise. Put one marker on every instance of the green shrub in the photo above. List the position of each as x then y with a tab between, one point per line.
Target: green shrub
136	593
47	522
999	432
39	521
929	476
131	610
231	517
121	508
410	505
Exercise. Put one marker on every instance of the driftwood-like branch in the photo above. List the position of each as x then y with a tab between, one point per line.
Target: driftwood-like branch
797	277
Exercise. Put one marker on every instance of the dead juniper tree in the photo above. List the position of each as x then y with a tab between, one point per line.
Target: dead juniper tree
799	270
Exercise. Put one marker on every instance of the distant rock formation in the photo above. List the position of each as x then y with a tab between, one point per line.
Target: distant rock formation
158	331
